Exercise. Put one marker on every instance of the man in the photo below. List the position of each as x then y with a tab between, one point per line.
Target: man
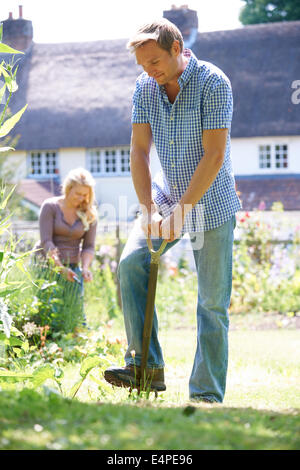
185	106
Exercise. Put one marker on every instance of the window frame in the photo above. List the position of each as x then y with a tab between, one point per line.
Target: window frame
43	154
278	154
110	156
264	157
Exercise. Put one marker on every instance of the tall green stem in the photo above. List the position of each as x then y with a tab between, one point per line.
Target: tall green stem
5	108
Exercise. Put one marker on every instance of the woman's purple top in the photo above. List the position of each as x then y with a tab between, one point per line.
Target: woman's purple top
70	240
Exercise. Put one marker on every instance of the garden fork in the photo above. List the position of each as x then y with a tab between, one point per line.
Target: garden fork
149	312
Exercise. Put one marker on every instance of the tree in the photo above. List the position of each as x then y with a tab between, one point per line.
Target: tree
264	11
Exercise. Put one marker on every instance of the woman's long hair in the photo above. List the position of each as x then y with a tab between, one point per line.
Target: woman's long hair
87	211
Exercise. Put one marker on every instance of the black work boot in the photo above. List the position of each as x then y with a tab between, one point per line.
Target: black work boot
130	376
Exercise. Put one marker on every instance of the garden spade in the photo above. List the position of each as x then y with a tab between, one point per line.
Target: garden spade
149	312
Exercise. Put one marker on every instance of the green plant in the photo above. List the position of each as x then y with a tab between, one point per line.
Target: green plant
49	300
266	275
59	303
11	340
260	411
102	292
9	71
86	367
8	258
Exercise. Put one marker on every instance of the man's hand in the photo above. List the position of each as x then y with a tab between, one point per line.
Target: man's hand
171	226
151	224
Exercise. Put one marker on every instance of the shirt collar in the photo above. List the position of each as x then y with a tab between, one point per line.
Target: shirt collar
189	69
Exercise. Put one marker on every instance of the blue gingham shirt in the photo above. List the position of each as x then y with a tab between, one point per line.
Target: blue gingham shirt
203	102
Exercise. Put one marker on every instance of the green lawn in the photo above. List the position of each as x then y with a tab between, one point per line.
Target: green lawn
31	421
263	372
260	411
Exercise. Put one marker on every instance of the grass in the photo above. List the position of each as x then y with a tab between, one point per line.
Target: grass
260	411
32	421
263	372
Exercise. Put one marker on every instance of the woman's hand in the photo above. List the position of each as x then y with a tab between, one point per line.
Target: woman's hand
54	254
87	275
69	274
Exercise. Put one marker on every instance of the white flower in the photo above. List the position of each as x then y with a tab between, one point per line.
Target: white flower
132	352
5	318
30	328
38	428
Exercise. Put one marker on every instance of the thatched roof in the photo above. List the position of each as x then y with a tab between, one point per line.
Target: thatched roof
79	94
261	61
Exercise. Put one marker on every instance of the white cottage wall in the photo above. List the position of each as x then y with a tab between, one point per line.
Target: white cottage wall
245	155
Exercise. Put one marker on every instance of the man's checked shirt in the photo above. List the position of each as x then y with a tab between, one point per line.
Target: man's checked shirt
203	102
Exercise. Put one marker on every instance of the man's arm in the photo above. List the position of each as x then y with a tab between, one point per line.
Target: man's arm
214	143
141	140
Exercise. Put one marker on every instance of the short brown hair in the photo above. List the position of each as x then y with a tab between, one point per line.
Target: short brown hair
162	31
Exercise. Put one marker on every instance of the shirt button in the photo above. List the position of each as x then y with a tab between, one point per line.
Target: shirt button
171	142
174	187
171	117
172	165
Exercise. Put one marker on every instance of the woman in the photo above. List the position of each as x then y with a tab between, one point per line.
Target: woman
68	228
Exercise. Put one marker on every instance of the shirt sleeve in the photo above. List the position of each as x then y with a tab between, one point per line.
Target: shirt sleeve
89	238
46	224
139	114
217	105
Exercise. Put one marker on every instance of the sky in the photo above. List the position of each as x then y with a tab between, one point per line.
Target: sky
91	20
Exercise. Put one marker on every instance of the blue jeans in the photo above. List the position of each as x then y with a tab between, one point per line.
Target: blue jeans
214	269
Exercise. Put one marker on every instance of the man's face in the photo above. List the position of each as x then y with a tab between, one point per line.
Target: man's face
157	62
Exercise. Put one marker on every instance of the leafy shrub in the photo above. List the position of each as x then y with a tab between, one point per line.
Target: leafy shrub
266	273
102	293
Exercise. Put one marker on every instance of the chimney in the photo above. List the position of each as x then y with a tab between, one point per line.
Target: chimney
17	33
186	21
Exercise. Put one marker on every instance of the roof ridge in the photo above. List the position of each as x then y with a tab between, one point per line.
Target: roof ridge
272	25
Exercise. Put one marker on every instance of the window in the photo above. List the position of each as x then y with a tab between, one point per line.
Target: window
264	156
95	161
43	164
281	157
109	162
125	161
273	156
110	165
